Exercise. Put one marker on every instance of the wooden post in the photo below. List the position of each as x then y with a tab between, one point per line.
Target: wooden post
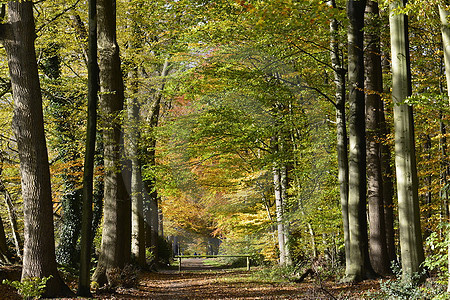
248	263
179	263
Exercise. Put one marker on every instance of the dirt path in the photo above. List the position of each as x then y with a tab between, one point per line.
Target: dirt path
200	281
197	281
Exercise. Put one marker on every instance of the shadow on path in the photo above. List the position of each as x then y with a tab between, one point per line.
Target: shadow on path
198	280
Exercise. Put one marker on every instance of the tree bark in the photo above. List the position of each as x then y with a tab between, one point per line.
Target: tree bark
445	31
374	107
284	187
359	256
39	243
114	242
87	232
388	192
12	219
279	216
341	130
405	160
4	251
279	185
137	205
150	192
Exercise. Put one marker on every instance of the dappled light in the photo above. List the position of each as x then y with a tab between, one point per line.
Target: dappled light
186	149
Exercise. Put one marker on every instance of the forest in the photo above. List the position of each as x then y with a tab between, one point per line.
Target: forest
298	133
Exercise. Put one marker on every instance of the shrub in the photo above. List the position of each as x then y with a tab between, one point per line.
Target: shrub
126	277
29	288
400	288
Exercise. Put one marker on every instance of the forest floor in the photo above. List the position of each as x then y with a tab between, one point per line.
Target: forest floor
198	280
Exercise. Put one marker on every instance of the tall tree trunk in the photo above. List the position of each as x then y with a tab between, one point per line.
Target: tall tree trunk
374	107
114	242
359	256
279	216
284	187
137	205
405	159
39	243
388	188
341	130
151	194
4	251
445	30
87	232
428	182
12	219
133	153
279	183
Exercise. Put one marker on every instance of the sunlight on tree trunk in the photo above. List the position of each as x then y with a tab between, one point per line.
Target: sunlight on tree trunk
405	160
360	267
137	207
87	232
12	217
39	244
113	252
374	107
341	129
445	30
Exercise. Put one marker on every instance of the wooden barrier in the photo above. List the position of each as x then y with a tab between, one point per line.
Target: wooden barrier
179	257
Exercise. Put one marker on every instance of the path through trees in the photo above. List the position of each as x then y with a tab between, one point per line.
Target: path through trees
199	280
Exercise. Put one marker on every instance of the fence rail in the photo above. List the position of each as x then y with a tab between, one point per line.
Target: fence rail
179	257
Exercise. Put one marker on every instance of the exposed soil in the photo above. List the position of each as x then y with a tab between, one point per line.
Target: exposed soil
198	281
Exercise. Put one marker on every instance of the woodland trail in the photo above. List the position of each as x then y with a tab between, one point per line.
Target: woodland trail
197	280
200	281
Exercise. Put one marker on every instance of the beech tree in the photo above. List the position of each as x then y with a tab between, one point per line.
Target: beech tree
116	213
411	244
374	108
39	245
445	31
360	266
87	232
280	187
340	72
